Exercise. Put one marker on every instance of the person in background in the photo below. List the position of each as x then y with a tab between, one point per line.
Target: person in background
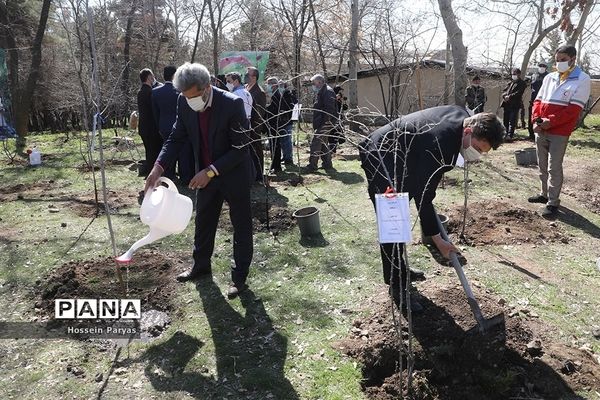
475	95
215	122
258	124
512	97
164	107
341	106
324	119
414	151
279	115
234	85
287	146
555	112
147	127
536	84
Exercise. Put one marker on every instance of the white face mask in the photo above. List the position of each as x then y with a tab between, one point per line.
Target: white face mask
229	86
541	70
196	103
515	77
562	66
470	154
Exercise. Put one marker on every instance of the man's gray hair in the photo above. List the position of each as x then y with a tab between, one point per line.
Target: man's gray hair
189	75
273	80
317	77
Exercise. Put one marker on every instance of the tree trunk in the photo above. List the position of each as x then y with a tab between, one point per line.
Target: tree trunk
126	57
22	104
572	39
318	38
352	64
459	51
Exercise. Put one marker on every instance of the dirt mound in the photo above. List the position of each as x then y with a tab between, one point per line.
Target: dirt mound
498	222
20	191
86	207
513	361
150	277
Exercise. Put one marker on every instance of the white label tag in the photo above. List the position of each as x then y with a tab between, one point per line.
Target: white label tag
460	161
393	218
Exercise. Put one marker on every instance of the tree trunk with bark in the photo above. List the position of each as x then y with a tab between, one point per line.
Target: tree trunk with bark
459	51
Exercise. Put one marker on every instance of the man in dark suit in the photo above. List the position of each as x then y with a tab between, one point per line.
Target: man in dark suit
512	101
164	107
215	122
257	120
536	84
147	125
411	154
324	121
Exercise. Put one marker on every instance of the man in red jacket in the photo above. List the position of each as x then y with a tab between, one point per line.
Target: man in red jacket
555	112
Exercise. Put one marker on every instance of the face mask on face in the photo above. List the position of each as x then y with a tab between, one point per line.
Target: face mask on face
315	88
281	90
196	103
562	66
269	89
476	85
541	70
229	86
515	77
470	154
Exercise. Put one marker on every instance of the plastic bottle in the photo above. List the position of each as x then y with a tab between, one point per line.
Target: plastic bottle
35	158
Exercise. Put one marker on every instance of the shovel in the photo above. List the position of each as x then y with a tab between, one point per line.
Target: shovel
485	324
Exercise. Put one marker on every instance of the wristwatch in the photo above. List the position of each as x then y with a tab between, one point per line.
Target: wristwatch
210	173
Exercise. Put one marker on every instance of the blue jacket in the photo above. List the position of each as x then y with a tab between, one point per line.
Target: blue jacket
164	107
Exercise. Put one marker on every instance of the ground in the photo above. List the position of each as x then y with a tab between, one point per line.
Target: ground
316	322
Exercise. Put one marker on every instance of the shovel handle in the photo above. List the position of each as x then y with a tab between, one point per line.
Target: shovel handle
475	309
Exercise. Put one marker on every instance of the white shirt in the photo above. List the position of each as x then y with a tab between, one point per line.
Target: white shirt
247	97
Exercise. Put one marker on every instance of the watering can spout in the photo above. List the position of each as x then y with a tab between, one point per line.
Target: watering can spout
152	236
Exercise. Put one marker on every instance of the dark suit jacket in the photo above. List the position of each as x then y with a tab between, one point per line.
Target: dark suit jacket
421	146
147	126
279	112
259	109
164	107
536	84
228	136
514	90
324	109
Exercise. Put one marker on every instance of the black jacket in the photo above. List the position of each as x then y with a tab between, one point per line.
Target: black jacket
514	90
324	109
279	111
228	137
147	124
415	150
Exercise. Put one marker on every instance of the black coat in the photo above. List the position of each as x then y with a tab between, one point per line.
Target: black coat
536	84
147	125
279	112
324	109
228	136
514	90
414	151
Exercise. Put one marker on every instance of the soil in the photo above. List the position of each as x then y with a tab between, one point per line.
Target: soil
20	191
578	184
85	207
451	361
498	222
150	277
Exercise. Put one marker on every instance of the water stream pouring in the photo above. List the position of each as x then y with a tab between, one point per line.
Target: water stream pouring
165	211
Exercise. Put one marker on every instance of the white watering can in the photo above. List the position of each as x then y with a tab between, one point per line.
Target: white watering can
165	211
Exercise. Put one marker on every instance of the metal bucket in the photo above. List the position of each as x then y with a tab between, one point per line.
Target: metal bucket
527	156
307	219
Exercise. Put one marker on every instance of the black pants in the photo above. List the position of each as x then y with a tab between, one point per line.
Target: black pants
530	123
275	147
152	145
257	153
392	260
209	202
511	115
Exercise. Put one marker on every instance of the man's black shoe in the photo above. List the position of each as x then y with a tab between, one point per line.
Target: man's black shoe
538	199
192	275
417	275
549	211
235	289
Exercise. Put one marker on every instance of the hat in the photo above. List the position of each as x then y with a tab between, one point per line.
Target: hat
542	64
